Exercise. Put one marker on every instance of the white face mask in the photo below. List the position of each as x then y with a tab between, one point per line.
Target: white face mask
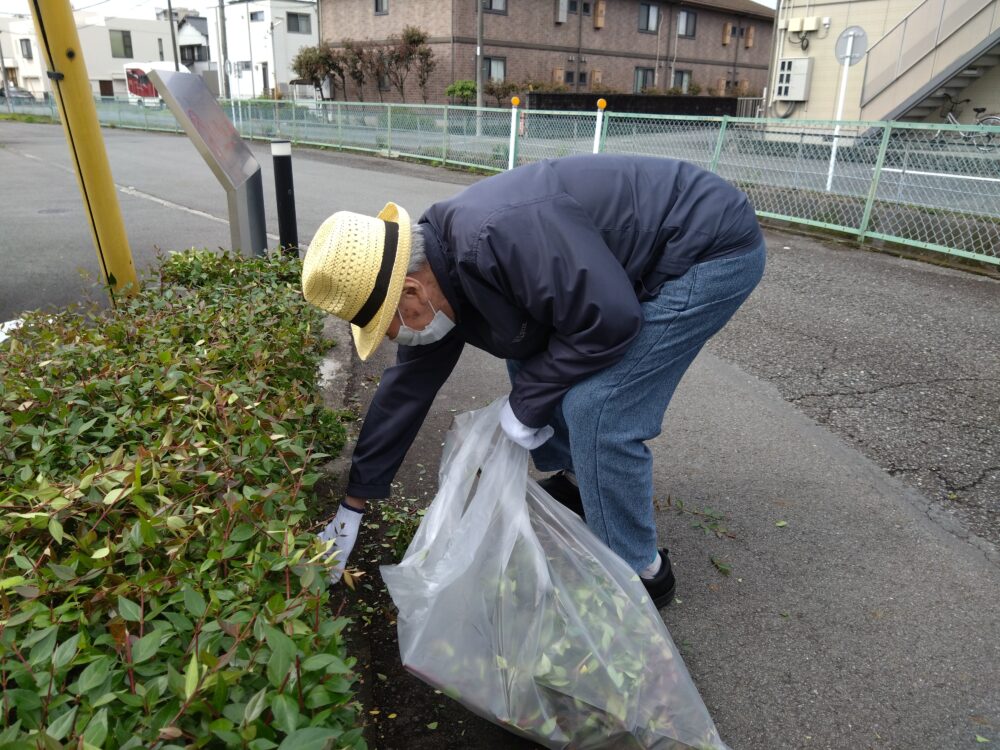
436	330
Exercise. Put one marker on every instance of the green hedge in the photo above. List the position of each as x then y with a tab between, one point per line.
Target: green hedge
159	584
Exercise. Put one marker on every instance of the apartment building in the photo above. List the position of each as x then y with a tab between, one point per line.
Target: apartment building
913	59
601	45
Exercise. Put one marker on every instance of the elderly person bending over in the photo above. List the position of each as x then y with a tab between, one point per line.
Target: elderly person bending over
597	278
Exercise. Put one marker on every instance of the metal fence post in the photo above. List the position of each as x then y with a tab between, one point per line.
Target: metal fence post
718	144
873	190
599	125
512	146
388	130
447	133
604	130
340	126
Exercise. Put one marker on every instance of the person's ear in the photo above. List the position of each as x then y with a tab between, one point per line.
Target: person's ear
413	289
409	287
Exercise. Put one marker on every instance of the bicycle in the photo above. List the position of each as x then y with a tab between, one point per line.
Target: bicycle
984	141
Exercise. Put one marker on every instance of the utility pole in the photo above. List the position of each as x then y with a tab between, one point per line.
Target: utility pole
479	68
249	48
3	75
479	54
225	50
274	56
173	35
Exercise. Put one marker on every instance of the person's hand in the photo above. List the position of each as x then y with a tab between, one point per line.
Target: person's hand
343	532
526	437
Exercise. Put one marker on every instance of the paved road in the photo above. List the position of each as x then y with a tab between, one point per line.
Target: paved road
170	201
854	397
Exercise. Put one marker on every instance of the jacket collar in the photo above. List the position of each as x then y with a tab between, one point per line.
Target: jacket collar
438	259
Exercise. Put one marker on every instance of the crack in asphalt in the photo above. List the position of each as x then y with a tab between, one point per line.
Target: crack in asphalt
887	387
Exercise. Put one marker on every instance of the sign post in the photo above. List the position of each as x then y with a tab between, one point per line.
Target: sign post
851	47
222	148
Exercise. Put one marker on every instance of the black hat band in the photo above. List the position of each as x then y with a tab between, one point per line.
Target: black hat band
381	288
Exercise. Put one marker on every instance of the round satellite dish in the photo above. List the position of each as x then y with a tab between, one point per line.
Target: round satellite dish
858	49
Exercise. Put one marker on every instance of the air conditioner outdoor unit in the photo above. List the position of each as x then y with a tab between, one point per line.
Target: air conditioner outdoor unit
794	75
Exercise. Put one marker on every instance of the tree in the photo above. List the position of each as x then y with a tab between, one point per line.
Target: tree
464	91
337	64
425	66
311	63
401	56
355	67
375	61
500	90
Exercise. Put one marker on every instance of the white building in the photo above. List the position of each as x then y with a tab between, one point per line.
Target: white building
23	63
262	39
107	42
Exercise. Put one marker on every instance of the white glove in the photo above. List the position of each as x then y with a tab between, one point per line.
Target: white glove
526	437
343	532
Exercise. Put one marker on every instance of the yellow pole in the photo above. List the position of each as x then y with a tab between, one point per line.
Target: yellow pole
60	45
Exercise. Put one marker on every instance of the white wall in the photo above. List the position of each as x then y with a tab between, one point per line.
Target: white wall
95	38
876	17
253	41
30	72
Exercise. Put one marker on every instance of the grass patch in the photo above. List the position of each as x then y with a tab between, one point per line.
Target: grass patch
16	117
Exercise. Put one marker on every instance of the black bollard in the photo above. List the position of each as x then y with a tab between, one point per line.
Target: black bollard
284	190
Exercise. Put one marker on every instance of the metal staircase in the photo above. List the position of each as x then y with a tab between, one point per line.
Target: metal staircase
935	52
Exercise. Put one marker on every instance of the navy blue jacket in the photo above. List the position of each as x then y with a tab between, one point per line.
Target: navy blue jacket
548	264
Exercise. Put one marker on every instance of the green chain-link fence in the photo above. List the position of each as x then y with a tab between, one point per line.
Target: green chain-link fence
935	187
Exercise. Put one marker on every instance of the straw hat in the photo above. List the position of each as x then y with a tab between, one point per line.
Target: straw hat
355	267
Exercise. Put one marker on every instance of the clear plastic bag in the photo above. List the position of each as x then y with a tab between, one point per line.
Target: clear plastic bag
511	606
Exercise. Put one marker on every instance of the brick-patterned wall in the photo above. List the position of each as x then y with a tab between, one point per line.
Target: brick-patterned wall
535	46
356	19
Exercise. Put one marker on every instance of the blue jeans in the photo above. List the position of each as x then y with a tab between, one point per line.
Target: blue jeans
603	423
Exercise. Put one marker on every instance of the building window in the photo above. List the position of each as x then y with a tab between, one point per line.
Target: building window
121	43
159	45
643	79
381	7
582	80
244	66
586	8
579	7
686	22
573	6
682	80
26	49
256	15
568	78
299	23
494	68
383	82
649	17
495	6
192	53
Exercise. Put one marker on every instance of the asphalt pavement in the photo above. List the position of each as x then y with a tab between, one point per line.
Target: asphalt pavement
835	450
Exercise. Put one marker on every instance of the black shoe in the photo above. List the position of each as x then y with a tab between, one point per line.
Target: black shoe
564	491
661	587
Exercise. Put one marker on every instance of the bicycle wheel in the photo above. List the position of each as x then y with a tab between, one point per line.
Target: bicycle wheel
989	141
